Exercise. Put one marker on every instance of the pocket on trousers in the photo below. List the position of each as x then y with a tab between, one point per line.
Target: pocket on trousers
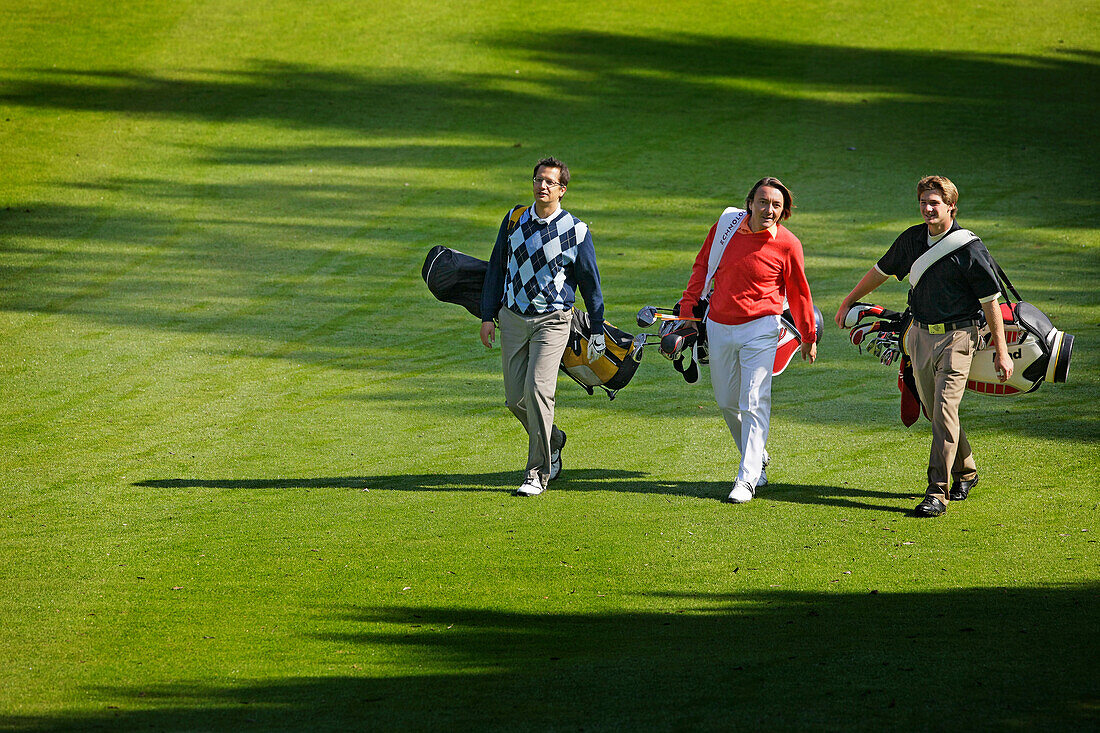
972	337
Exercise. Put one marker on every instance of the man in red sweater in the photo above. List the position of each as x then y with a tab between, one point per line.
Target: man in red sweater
757	265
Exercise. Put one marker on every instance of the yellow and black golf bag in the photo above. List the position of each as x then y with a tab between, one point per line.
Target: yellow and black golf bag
454	277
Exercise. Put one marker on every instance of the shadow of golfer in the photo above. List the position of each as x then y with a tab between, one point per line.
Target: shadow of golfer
836	496
583	480
574	480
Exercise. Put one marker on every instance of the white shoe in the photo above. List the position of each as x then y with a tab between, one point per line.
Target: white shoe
530	487
555	459
763	480
741	493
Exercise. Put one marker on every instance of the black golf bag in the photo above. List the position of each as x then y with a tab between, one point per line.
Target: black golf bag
454	277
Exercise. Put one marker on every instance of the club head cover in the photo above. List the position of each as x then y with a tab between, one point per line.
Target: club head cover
691	371
677	340
672	345
678	364
859	333
691	374
859	311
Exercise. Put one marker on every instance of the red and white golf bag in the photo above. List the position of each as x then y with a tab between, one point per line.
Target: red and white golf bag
1039	351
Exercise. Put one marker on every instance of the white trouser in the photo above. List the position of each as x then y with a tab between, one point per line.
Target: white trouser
741	361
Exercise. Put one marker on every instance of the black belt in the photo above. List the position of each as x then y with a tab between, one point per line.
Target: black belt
949	326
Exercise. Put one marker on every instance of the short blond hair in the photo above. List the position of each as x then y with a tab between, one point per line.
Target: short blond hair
941	184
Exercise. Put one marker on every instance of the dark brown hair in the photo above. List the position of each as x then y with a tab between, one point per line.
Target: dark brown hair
553	162
788	200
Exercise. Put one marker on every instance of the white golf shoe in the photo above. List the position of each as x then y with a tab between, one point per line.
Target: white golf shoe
763	480
555	459
742	492
530	487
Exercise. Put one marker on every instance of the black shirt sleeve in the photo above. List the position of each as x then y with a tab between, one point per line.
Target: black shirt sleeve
899	259
977	264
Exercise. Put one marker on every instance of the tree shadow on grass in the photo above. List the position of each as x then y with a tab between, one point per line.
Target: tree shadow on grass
633	85
984	658
208	259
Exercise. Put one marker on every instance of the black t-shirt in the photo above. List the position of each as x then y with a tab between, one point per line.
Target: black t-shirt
953	287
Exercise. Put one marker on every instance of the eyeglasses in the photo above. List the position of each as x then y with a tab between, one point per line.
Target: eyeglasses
544	181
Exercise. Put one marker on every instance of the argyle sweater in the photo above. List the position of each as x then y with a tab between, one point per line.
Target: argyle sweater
538	267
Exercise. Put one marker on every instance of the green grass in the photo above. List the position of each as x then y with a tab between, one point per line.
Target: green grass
254	477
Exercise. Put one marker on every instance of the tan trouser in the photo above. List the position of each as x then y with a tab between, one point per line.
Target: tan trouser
941	363
531	350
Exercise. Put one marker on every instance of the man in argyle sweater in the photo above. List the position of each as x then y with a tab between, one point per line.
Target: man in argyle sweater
534	273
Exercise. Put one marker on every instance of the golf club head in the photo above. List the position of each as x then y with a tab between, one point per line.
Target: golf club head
647	316
638	343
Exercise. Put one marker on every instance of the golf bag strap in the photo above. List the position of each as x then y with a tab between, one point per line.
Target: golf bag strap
513	222
723	232
953	241
1004	281
513	218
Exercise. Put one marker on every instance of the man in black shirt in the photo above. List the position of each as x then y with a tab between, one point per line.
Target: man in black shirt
951	288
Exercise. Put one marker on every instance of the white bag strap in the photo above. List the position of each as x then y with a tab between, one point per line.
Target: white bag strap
953	241
727	226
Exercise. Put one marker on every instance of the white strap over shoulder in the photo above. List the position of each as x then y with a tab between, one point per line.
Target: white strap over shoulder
953	241
727	226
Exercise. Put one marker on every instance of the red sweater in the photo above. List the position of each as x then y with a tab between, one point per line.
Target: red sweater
756	273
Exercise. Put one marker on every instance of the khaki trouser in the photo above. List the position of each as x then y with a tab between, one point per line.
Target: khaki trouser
941	364
531	350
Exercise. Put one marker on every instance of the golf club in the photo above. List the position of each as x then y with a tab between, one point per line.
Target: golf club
650	314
